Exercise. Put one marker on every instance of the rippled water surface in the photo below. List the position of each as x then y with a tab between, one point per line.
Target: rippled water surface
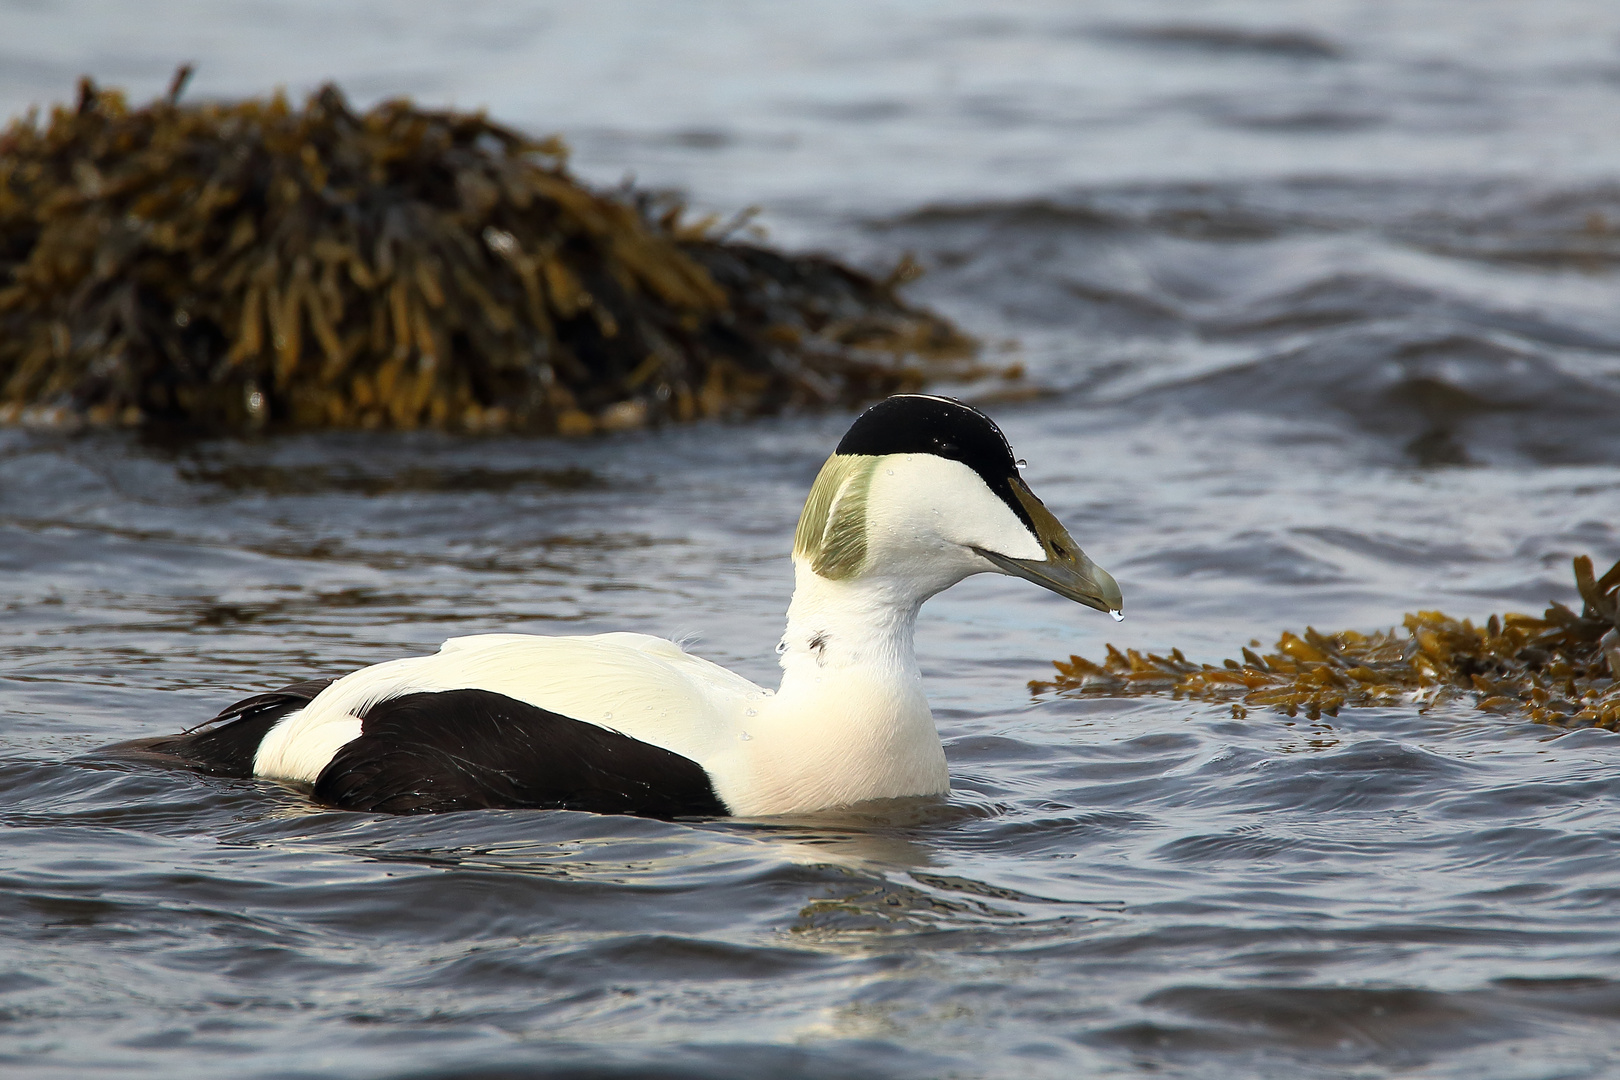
1317	302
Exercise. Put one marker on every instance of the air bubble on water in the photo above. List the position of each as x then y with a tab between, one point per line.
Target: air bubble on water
781	647
746	737
752	712
1021	463
1117	616
607	716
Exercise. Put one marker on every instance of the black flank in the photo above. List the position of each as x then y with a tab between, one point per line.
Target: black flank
944	427
225	745
474	749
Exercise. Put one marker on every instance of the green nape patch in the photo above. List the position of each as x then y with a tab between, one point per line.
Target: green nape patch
232	266
832	527
1561	668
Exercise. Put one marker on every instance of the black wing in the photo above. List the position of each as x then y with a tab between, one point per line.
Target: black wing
225	745
474	749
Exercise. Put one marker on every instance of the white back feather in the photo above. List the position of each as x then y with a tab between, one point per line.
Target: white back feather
643	686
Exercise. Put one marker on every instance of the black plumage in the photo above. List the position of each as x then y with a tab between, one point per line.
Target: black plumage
944	427
475	749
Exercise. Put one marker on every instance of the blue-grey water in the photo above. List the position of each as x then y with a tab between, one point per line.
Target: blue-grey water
1318	306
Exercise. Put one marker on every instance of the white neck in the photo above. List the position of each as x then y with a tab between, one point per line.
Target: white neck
850	721
859	623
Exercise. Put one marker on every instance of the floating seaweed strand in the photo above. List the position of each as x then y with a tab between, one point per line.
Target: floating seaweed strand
228	266
1561	669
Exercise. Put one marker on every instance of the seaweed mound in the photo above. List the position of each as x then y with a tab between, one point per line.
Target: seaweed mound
1561	669
227	266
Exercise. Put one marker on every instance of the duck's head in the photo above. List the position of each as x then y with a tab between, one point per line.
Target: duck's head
924	491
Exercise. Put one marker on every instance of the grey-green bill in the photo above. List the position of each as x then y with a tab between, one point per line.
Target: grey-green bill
1066	570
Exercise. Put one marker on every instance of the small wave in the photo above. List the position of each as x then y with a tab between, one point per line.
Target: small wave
1345	1024
1271	1026
1373	774
1449	398
1308	300
314	479
1220	39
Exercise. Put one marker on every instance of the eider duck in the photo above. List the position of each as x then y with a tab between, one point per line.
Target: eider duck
921	493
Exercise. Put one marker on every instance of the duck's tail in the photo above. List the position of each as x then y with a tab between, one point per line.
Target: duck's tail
224	745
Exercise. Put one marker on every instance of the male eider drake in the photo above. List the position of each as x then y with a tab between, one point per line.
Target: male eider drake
921	493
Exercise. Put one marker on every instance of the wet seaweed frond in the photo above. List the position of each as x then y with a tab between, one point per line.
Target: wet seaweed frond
228	266
1562	668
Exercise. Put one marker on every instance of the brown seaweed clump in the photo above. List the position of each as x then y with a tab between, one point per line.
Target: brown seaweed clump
224	266
1561	668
